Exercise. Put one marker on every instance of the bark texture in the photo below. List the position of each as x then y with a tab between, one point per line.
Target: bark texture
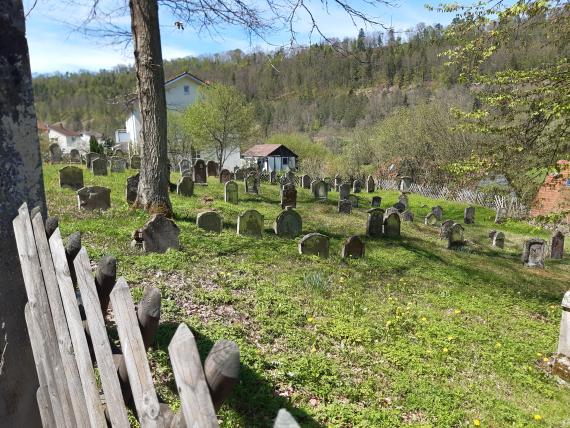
154	176
21	180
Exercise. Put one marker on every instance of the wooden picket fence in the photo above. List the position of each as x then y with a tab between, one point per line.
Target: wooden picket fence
63	344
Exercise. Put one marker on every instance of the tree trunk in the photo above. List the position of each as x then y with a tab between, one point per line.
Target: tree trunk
154	175
21	181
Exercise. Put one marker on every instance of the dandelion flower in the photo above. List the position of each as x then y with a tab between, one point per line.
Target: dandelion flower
449	337
537	417
477	422
498	345
424	319
539	354
310	319
545	359
457	311
445	350
313	349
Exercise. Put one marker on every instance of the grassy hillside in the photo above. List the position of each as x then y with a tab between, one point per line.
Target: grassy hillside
411	335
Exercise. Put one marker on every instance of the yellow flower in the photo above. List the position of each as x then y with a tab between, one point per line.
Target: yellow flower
424	319
457	311
545	359
552	306
310	319
498	345
445	350
539	354
537	417
388	323
313	349
449	337
476	422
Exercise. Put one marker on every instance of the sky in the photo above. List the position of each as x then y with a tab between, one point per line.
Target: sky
56	45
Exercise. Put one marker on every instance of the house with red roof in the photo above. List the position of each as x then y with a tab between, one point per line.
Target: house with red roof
66	138
271	157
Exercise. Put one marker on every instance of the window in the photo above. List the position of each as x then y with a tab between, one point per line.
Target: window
285	161
186	89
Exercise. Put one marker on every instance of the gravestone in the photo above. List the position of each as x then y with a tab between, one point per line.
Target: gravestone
400	207
251	184
500	215
290	175
408	216
305	181
90	157
94	198
99	166
337	182
132	188
55	153
118	152
250	223
557	246
492	233
534	253
357	186
231	192
353	200
158	235
199	173
430	220
375	222
561	363
314	244
438	212
329	182
185	186
455	237
225	176
288	196
320	190
272	177
353	248
344	206
370	186
74	156
135	162
71	177
445	228
392	225
344	191
288	223
210	221
391	210
403	199
469	215
184	165
118	164
212	168
376	201
239	174
499	240
186	173
405	184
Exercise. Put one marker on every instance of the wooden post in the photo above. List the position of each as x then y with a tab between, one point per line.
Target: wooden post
222	370
105	277
52	223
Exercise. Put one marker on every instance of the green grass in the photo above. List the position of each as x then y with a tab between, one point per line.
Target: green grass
411	335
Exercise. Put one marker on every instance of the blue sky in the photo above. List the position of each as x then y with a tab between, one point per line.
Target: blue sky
56	47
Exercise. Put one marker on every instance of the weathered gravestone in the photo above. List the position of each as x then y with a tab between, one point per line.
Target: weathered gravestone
199	173
305	181
212	168
250	223
118	164
375	222
408	216
343	190
288	223
357	186
231	192
314	244
437	211
251	183
99	166
55	153
557	246
184	165
400	207
376	201
74	156
561	363
534	252
405	184
288	196
225	176
370	186
90	157
157	235
239	174
500	214
344	206
445	228
320	190
272	177
94	198
403	199
132	188
499	240
391	210
430	219
353	247
392	225
185	186
135	162
337	181
353	200
210	221
71	177
455	237
469	215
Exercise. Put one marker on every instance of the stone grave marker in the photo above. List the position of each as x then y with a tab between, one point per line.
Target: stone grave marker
499	240
90	157
400	207
251	184
408	216
353	247
438	212
231	192
353	200
356	186
288	223
320	190
272	177
288	196
210	221
199	173
455	237
392	226
403	199
500	215
212	168
71	177
118	164
370	186
250	223
305	181
469	215
157	235
430	219
344	206
314	244
492	233
343	190
132	188
557	245
55	153
184	165
405	184
376	201
99	166
94	198
375	222
239	174
74	156
445	228
185	186
337	181
225	176
135	162
391	210
534	253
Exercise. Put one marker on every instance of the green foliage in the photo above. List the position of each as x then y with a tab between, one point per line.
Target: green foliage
94	145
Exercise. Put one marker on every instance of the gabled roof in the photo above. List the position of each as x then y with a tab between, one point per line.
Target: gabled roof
185	74
264	150
63	131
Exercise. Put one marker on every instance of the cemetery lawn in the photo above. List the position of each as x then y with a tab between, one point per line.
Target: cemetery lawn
412	335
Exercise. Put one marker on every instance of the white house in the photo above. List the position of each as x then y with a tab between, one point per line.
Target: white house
181	91
66	138
271	157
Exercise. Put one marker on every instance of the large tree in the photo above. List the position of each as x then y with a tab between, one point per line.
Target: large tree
21	181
